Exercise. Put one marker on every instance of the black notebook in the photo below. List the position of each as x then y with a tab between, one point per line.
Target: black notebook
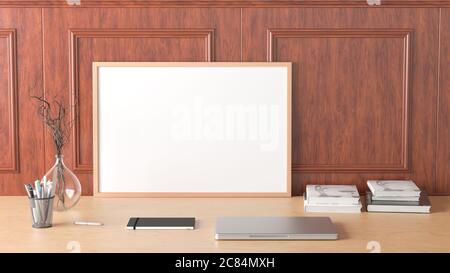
161	223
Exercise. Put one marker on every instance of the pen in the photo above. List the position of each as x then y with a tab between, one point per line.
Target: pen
29	190
31	195
37	185
44	189
49	189
86	223
39	208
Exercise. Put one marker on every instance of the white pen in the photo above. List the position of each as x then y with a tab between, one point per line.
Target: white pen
53	189
37	187
86	223
44	187
49	189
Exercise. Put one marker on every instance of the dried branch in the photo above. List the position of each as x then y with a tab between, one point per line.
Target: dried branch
55	120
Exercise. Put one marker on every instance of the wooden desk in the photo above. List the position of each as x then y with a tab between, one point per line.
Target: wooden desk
394	232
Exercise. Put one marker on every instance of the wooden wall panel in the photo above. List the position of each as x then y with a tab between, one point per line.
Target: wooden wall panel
371	91
8	102
74	38
221	3
362	111
21	132
443	117
364	89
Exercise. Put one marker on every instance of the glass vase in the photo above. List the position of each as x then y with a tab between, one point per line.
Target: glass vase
68	187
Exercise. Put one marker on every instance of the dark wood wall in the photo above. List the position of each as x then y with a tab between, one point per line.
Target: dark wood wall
371	85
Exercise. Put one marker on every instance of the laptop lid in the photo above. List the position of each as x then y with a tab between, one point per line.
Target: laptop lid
275	228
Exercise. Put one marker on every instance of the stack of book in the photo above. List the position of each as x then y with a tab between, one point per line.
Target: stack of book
396	196
332	198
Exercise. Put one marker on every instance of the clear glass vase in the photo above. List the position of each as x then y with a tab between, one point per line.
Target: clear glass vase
68	187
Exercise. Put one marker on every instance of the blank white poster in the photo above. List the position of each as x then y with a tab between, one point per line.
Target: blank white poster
193	128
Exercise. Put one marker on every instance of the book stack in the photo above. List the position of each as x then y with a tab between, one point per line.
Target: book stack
332	198
396	196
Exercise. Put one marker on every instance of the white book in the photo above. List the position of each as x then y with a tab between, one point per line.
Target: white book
424	206
399	209
332	209
383	188
332	195
396	198
308	207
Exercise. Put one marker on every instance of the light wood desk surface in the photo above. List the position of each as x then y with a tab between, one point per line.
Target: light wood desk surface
394	232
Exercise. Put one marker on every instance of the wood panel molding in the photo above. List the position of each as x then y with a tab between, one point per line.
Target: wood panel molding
10	36
222	3
76	34
443	106
405	34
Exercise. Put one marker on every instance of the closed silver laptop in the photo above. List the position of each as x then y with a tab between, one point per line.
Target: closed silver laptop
275	228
